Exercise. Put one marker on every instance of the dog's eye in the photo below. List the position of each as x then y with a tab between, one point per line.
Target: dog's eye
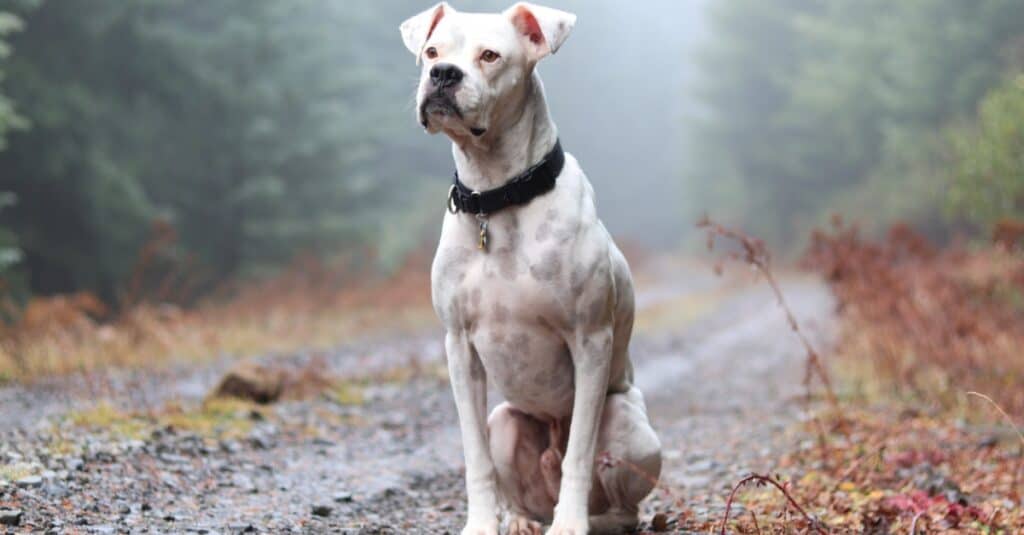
431	53
490	56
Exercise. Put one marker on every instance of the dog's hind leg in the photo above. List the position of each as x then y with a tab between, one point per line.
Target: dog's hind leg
633	463
518	441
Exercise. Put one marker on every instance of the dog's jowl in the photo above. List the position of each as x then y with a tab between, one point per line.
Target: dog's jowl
532	291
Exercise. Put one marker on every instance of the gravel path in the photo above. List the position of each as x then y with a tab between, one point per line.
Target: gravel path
722	392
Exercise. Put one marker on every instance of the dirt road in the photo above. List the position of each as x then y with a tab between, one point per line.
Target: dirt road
717	363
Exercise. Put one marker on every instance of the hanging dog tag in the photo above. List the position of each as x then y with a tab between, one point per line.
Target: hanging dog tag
482	245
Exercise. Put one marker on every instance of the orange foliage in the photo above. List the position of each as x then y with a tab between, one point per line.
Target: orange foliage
934	323
311	305
1008	233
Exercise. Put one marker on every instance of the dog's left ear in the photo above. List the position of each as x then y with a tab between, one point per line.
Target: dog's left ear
542	29
417	29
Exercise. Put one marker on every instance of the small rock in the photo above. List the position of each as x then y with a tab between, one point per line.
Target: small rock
10	517
671	455
251	381
125	510
244	484
172	458
260	441
990	441
30	482
343	497
75	464
55	490
659	522
703	465
322	510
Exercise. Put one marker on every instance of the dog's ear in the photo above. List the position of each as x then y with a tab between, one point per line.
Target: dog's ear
542	29
417	29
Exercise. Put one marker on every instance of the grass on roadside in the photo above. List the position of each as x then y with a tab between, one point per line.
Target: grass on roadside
214	418
303	309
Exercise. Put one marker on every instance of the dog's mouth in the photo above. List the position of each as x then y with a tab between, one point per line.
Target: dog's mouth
441	105
438	104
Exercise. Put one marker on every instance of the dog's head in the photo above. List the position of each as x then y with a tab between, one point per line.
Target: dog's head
477	66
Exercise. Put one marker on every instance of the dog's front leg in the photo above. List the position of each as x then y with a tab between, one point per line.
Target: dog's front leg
469	385
591	354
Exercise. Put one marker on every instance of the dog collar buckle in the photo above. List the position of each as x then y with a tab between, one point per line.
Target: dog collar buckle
453	208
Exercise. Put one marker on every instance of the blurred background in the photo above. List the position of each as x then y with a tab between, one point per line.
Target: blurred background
172	155
241	135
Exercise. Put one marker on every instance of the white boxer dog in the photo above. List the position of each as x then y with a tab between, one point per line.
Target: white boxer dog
530	287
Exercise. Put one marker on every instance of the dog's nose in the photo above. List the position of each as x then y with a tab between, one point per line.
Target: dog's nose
445	75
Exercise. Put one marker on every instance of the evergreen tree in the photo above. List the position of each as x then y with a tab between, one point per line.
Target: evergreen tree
814	107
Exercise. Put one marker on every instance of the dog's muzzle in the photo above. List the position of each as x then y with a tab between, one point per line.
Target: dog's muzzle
439	102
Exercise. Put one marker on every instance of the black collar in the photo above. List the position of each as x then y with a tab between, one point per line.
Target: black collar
521	189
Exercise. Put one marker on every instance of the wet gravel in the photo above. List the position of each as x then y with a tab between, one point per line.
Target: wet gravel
721	392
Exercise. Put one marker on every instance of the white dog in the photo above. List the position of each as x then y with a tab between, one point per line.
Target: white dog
530	287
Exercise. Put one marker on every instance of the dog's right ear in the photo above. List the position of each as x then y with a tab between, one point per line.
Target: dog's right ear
418	28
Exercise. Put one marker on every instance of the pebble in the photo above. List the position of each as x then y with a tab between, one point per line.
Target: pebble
244	484
343	497
705	465
55	490
30	482
659	522
172	458
260	441
322	510
10	517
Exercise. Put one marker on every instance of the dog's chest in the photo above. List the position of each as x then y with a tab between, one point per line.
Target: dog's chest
513	301
522	275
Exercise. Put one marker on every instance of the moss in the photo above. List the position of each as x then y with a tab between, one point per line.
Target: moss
346	393
106	416
14	472
216	417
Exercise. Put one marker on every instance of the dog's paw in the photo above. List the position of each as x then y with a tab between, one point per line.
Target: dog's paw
523	526
568	527
481	528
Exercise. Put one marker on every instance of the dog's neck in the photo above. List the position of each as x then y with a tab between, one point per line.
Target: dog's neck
511	146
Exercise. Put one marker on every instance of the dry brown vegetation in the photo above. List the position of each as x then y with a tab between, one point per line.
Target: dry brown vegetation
883	473
893	468
309	306
925	324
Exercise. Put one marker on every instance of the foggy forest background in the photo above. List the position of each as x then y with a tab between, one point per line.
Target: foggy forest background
241	134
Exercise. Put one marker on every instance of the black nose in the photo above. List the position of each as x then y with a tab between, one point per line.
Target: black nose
445	75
